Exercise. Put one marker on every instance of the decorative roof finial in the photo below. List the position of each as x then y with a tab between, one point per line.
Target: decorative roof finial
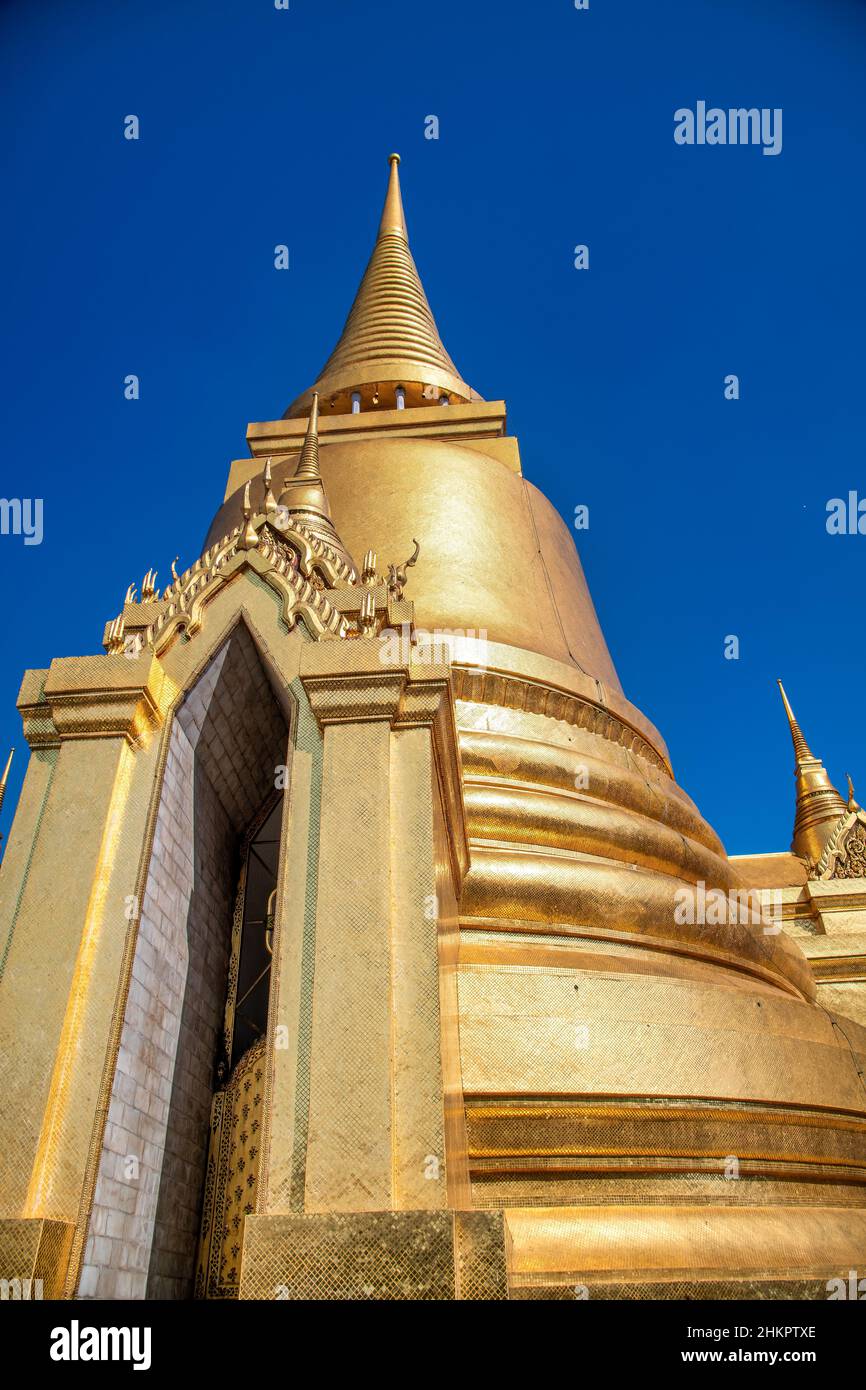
367	614
369	574
397	573
249	537
270	502
853	803
819	805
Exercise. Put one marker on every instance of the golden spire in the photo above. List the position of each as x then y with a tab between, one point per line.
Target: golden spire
390	338
304	496
4	779
308	463
819	805
305	492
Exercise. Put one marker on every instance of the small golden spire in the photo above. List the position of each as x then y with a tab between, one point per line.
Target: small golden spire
308	463
5	778
819	804
304	493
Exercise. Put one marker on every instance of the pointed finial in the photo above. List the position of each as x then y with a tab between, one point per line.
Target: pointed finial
853	803
367	614
308	463
393	221
819	805
249	537
112	637
368	569
270	502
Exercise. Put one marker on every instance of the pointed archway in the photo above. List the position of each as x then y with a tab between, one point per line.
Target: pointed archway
230	735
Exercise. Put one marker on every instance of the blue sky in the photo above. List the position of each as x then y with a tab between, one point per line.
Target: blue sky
258	127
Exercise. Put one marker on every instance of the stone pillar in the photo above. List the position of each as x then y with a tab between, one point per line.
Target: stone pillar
381	1207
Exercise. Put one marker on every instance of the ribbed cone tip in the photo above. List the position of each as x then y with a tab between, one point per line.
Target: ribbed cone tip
308	463
802	752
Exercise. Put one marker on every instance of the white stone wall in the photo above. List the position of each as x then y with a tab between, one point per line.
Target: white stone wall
208	942
117	1254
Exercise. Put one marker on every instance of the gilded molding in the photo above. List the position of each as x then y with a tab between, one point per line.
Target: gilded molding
479	420
534	697
354	698
95	697
688	1134
40	730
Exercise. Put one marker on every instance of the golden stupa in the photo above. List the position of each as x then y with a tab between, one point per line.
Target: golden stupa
358	941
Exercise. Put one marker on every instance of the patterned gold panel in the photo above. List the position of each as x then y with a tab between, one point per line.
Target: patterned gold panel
619	1291
482	1246
35	1250
231	1182
655	1189
375	1255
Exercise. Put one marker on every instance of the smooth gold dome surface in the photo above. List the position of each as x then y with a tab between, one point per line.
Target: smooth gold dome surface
495	555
